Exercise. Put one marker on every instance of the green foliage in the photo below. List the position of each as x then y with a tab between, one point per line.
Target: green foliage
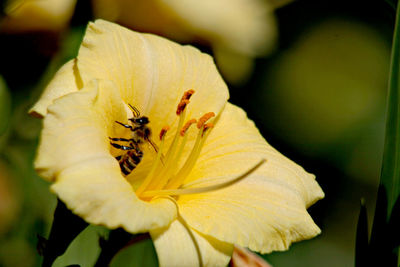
382	248
66	226
390	176
84	250
141	254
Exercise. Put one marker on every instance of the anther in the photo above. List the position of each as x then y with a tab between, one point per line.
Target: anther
184	101
163	131
181	106
204	119
186	126
207	126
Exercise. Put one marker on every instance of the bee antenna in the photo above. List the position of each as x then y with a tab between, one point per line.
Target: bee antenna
135	111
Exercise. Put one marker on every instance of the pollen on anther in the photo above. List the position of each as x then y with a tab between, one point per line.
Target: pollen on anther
181	106
188	94
163	131
204	119
207	126
184	101
186	126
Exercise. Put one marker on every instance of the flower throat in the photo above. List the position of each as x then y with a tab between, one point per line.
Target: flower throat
164	177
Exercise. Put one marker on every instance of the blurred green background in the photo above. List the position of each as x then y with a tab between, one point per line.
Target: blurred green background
319	99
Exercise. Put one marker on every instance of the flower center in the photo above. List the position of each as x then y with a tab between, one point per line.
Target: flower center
164	177
164	173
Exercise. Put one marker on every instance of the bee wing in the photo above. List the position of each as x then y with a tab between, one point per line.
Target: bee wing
155	148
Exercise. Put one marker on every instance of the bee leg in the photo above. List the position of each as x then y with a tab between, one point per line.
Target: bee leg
125	125
120	139
136	128
122	147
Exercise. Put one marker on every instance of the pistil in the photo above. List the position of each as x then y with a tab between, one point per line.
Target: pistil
199	190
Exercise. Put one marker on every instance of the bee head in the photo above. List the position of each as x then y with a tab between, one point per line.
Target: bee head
143	120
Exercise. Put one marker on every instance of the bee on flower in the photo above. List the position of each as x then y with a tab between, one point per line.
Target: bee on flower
214	181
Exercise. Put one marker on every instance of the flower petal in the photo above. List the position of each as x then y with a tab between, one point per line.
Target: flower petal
179	245
64	82
241	28
96	191
26	15
75	152
245	26
151	72
267	210
143	16
77	128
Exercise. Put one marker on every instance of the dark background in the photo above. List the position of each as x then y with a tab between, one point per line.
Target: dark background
319	99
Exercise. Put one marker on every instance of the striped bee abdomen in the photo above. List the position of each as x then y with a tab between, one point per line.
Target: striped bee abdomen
130	160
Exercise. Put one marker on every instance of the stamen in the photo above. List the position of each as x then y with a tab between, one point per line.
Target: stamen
186	126
163	131
180	177
155	166
181	106
165	175
199	190
204	119
207	126
184	101
161	178
181	112
165	178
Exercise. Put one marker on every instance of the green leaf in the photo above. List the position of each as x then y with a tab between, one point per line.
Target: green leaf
390	175
383	251
66	226
141	254
84	250
117	239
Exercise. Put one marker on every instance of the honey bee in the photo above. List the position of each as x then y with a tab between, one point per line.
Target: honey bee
141	133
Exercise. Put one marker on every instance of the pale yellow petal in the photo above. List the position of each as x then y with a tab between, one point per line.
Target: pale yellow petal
246	26
143	16
151	72
65	81
179	245
75	153
267	210
77	128
96	191
30	15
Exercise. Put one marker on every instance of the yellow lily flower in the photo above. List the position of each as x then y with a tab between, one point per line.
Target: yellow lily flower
205	189
37	15
237	30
